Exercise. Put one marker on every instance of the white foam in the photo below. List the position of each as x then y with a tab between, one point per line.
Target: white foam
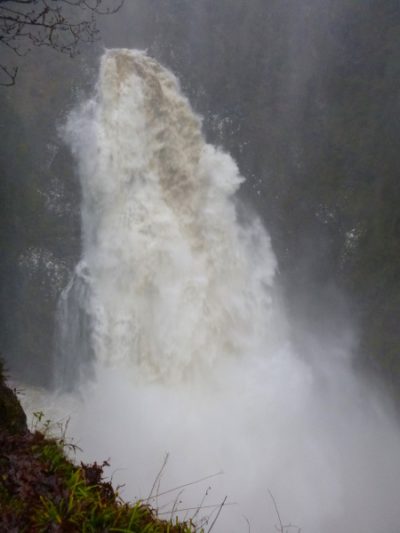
191	350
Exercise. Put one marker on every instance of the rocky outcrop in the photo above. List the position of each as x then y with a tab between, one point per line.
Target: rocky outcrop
12	416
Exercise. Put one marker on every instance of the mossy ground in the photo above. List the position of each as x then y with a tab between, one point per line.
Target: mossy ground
12	416
41	490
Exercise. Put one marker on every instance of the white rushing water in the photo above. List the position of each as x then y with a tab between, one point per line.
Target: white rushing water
174	314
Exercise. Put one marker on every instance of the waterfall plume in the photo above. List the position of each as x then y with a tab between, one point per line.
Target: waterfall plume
174	309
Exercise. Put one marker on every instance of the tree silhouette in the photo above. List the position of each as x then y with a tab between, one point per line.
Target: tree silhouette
58	24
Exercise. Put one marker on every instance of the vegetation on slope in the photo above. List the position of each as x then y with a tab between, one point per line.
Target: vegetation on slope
41	490
12	416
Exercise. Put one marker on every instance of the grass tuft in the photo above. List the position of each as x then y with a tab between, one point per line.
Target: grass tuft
41	490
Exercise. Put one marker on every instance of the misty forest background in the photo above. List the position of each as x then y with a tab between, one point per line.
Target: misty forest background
305	96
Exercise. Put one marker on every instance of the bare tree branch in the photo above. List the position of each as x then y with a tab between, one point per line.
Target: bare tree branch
219	512
59	24
10	75
282	528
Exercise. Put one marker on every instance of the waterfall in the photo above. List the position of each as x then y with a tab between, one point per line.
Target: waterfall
173	281
174	309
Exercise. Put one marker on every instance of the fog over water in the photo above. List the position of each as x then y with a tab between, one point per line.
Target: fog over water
173	337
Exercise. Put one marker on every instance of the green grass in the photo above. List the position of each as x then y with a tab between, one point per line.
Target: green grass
41	490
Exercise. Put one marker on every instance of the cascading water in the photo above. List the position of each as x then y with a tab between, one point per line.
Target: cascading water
175	283
174	307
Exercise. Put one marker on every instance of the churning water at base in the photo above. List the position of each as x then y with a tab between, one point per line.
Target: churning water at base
174	313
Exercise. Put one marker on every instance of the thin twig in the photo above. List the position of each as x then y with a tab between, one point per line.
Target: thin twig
158	477
277	513
214	506
201	503
219	512
176	503
282	528
182	486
